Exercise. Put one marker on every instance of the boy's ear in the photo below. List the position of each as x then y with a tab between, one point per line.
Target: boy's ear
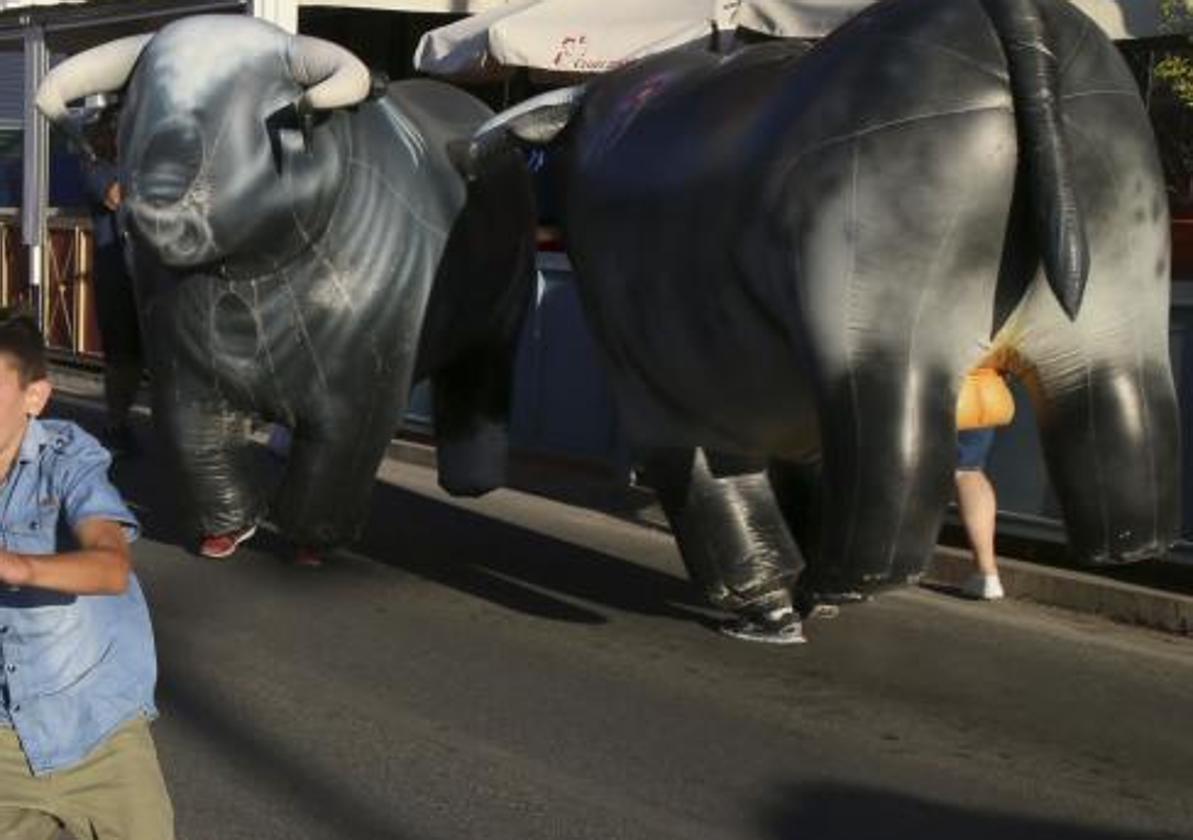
37	394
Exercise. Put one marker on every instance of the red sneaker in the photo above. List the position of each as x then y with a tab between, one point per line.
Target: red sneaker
220	546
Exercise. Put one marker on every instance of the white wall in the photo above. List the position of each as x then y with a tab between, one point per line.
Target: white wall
282	12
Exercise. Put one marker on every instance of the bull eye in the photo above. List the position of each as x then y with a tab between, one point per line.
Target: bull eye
169	164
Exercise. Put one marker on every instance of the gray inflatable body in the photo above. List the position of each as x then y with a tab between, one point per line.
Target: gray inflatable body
794	258
307	264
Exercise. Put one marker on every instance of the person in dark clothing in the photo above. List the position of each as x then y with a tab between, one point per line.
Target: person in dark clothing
115	303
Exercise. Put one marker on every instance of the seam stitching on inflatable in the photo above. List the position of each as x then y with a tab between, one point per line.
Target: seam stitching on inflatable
845	138
423	223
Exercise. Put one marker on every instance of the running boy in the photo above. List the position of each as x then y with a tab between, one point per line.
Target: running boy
77	662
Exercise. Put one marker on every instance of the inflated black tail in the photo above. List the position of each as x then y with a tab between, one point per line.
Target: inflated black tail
1035	87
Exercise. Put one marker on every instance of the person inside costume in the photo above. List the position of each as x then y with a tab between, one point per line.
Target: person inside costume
985	403
306	246
77	662
796	258
116	306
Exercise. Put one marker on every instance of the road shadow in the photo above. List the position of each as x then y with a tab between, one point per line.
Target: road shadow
287	772
508	565
511	565
580	482
949	590
844	812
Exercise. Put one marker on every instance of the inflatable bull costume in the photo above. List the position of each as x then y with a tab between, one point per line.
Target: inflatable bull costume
304	251
795	258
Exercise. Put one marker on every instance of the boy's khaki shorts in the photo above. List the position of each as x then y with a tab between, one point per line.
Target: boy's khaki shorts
115	793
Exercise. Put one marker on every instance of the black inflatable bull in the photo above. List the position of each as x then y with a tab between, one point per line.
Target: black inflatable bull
791	257
303	253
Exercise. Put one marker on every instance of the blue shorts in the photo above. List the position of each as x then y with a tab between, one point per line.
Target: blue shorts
973	448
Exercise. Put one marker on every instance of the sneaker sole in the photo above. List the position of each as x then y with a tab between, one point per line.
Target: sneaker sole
763	638
220	555
981	596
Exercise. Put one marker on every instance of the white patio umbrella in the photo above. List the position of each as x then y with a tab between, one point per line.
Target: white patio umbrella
1120	19
569	36
589	36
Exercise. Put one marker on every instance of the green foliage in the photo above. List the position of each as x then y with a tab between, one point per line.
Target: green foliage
1176	16
1172	100
1175	70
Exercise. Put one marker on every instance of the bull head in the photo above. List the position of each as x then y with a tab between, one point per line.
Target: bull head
201	159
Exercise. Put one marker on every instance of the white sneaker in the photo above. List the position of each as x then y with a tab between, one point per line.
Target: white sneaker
983	587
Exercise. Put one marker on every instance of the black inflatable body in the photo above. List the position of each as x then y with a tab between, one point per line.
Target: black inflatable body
304	253
793	258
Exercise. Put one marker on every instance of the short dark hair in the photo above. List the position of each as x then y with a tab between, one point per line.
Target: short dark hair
21	341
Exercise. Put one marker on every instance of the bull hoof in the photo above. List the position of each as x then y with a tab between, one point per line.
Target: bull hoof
1140	554
474	465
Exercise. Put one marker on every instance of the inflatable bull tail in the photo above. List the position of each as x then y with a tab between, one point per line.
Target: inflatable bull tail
1034	80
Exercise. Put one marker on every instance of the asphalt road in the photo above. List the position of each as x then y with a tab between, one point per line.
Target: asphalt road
517	668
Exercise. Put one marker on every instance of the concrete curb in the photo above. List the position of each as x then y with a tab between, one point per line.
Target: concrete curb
77	383
1072	590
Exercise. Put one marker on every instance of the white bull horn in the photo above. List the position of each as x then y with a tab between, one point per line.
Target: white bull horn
333	76
102	69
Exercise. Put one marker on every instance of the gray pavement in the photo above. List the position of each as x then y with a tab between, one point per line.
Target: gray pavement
1163	604
1157	595
519	668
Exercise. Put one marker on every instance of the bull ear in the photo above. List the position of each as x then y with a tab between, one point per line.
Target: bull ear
102	69
333	77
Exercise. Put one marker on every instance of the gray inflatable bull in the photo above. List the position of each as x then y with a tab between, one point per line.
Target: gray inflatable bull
304	251
792	258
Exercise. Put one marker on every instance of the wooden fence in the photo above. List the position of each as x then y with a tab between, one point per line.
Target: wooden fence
68	299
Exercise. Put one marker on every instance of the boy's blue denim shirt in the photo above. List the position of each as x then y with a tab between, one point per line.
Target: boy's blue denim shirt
72	668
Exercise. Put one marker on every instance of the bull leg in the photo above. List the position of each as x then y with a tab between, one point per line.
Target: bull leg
216	464
730	531
797	489
334	454
1110	434
472	410
889	444
1102	384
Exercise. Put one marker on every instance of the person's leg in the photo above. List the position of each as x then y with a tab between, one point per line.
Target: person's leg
732	538
122	379
23	805
120	334
21	824
978	508
117	792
